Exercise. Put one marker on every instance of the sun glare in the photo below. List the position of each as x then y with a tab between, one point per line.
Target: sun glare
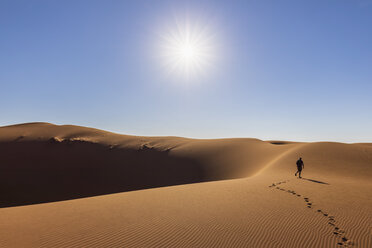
187	50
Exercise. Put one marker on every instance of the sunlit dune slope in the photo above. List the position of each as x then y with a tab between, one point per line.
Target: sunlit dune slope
261	205
41	162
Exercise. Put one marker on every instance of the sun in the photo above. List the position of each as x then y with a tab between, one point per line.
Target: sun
187	54
188	50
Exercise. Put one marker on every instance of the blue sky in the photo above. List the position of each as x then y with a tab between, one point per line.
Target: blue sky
291	70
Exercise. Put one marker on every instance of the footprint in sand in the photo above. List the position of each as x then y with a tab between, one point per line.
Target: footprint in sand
331	219
339	230
345	242
275	184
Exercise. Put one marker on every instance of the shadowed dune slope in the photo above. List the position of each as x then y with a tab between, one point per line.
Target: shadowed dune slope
41	162
261	205
227	213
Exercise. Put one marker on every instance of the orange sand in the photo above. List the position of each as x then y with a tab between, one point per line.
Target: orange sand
57	185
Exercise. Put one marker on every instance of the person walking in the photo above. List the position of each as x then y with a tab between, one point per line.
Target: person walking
300	165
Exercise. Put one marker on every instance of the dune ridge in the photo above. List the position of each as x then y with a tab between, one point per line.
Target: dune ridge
178	192
74	162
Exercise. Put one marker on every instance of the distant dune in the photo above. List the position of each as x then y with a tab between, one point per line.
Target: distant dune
179	192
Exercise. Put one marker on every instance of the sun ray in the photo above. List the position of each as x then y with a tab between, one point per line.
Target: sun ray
187	49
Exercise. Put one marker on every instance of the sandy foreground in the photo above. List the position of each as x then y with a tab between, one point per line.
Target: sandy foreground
71	186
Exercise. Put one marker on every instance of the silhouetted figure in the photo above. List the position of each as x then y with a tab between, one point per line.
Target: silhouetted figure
300	165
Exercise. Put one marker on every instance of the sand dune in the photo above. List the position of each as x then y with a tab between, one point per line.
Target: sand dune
220	193
45	162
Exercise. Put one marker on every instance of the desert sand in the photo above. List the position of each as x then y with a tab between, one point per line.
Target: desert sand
72	186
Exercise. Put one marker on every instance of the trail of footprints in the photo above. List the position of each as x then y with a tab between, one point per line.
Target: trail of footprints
345	242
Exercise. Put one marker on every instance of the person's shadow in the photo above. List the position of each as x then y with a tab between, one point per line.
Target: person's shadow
314	181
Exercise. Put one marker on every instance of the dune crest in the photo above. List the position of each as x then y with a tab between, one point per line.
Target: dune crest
178	192
42	162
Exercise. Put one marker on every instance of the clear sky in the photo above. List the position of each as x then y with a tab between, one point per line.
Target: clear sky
292	70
